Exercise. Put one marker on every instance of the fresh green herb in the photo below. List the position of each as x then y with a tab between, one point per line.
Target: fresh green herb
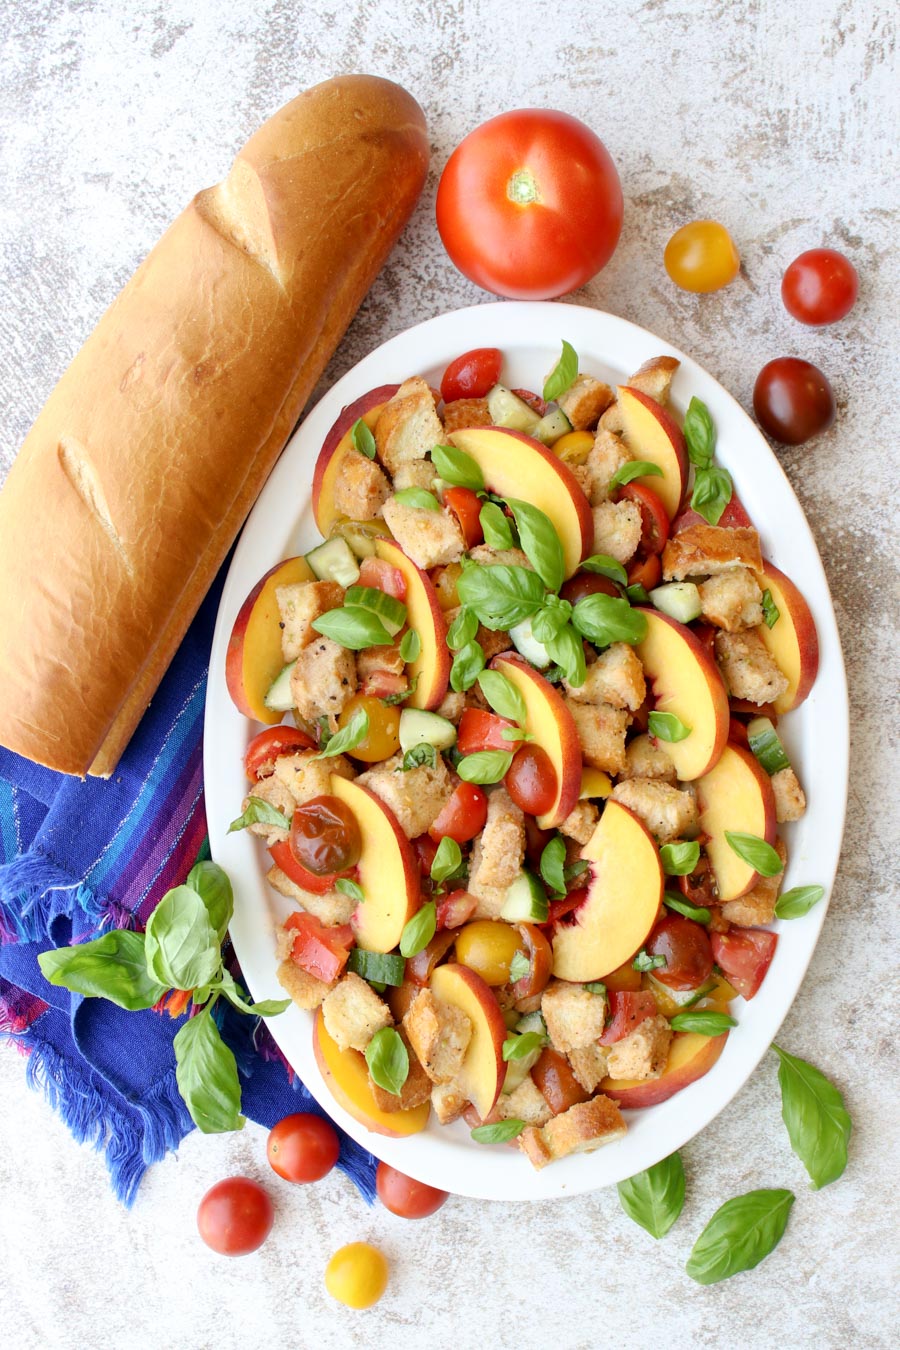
502	695
637	595
353	627
713	489
552	866
667	727
207	1076
410	646
270	1007
496	527
816	1119
567	650
388	1060
680	860
703	1023
377	968
500	596
418	497
468	663
644	962
485	766
699	434
325	732
550	618
634	468
771	612
362	439
457	468
390	699
603	619
462	630
214	888
113	966
349	737
563	375
519	967
447	859
520	1047
180	944
351	889
515	734
258	812
540	542
420	754
739	1235
682	906
655	1198
754	851
501	1133
419	930
606	566
596	987
576	868
793	904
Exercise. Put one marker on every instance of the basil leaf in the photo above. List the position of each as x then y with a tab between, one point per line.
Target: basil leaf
713	490
667	727
501	1133
595	987
502	695
417	755
680	860
419	497
410	646
644	962
771	612
604	619
576	868
637	594
112	966
485	766
700	434
755	852
180	943
793	904
563	375
237	996
634	468
500	596
655	1198
468	663
495	527
349	737
566	649
520	1047
519	967
606	566
515	734
458	468
540	542
703	1022
549	620
353	627
362	439
462	630
207	1076
419	930
739	1235
390	699
214	888
324	731
259	812
552	865
815	1117
351	889
682	906
388	1060
446	860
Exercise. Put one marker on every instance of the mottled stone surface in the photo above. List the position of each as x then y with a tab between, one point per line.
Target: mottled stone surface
780	119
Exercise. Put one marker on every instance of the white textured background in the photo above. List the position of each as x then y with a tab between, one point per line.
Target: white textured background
777	117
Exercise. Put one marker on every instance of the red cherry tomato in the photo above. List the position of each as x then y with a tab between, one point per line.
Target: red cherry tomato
529	205
685	945
235	1216
556	1081
793	400
404	1196
462	816
654	517
820	287
265	748
583	584
646	572
285	861
480	730
380	574
325	836
629	1010
472	375
424	848
303	1147
700	885
531	780
745	955
455	909
466	506
318	949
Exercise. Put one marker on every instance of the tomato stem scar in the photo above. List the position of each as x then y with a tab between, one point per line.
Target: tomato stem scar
522	188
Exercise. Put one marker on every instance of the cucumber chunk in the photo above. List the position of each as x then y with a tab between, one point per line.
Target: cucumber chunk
527	645
425	728
679	599
553	425
391	612
278	696
526	900
517	1070
334	561
508	410
387	968
767	746
533	1021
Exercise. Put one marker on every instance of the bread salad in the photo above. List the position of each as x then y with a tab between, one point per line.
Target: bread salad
527	803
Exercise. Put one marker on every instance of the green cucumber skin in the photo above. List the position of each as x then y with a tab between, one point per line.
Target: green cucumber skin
278	696
526	901
767	745
680	600
383	969
334	561
418	727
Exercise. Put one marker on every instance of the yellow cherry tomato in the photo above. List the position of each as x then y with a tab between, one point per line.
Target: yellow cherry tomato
487	946
357	1275
383	737
702	257
574	447
445	579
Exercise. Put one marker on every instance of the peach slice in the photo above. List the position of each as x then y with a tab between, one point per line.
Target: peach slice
431	669
388	870
551	724
594	783
514	465
483	1071
337	445
792	640
254	656
623	899
736	794
686	682
651	433
347	1076
690	1057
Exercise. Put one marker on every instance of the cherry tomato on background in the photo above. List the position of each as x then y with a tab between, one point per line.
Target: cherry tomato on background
466	506
472	375
529	205
654	517
531	780
701	257
480	730
302	1147
357	1275
325	836
793	400
404	1196
462	816
383	736
264	749
820	287
685	945
583	584
235	1216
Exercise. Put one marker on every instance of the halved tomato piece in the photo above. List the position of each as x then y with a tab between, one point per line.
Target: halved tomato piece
383	577
284	859
264	749
480	730
628	1010
745	955
317	949
654	517
466	506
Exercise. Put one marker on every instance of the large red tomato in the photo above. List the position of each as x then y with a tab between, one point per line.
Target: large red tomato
529	205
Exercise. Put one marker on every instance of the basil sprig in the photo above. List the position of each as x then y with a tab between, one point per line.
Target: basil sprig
713	490
419	930
563	375
712	485
540	542
468	663
634	468
353	627
519	967
682	906
501	1133
739	1235
351	889
793	904
703	1022
258	812
553	616
552	865
447	860
815	1117
361	439
754	851
667	727
699	434
502	695
349	737
418	755
680	860
112	966
655	1198
207	1076
410	646
500	595
496	527
606	566
520	1047
771	612
457	468
604	619
180	944
567	650
418	497
485	766
388	1060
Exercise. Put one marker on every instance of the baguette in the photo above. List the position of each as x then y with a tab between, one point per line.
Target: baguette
144	462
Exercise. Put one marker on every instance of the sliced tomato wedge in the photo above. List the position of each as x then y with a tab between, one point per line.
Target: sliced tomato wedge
383	577
646	572
455	909
654	517
264	749
628	1010
462	816
556	1081
420	966
384	684
472	375
744	954
563	910
424	848
466	506
319	950
480	730
284	859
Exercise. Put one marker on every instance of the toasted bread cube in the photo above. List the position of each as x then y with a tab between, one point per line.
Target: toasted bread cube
452	706
616	678
612	420
581	822
584	401
582	1129
790	799
418	473
655	377
748	668
575	1017
757	907
617	529
353	1012
323	680
668	813
274	792
430	538
408	427
526	1102
601	730
298	605
646	758
494	557
306	777
732	600
589	1065
704	550
415	796
439	1033
643	1053
447	1102
376	659
497	854
492	641
330	908
304	989
415	1091
361	488
466	412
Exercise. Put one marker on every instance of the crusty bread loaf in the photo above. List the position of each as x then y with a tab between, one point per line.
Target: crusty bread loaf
140	469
